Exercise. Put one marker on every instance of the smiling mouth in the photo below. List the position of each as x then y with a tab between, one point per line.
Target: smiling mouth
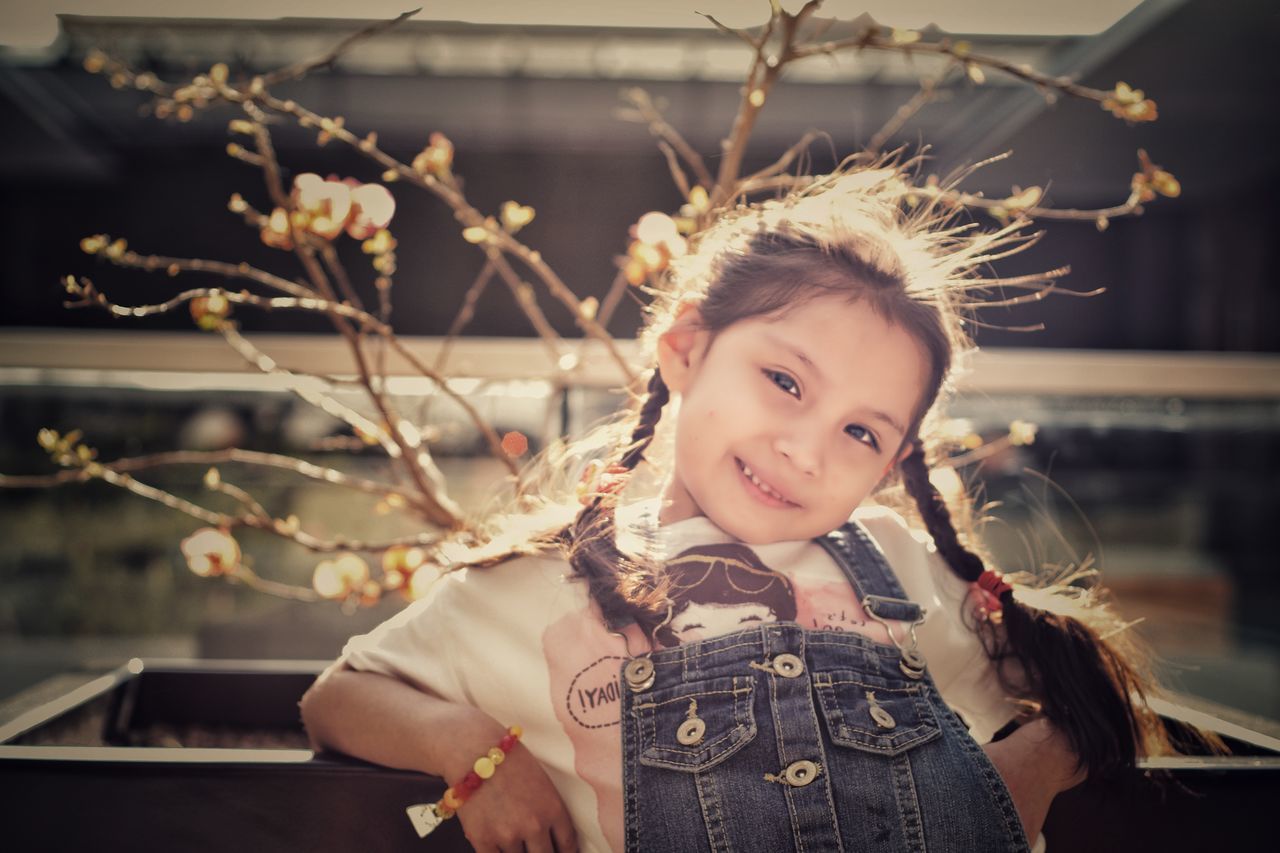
764	490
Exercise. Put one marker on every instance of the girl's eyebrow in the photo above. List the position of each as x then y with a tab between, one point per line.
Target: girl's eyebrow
874	414
796	351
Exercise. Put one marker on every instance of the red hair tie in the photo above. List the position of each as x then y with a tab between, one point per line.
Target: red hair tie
987	590
599	481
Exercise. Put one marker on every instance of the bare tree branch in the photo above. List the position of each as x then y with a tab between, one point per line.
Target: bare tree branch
927	93
152	263
784	162
91	296
528	303
254	581
648	113
469	217
256	510
268	525
213	457
305	67
334	264
298	386
872	40
465	313
611	300
673	165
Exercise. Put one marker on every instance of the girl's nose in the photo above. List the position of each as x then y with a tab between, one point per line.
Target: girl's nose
801	451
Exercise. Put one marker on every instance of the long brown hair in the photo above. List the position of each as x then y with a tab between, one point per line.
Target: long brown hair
871	235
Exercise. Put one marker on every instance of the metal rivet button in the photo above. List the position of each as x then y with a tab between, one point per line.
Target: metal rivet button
639	674
912	663
788	665
693	728
800	773
882	717
691	731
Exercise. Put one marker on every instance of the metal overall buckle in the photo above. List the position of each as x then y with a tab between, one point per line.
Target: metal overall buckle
912	663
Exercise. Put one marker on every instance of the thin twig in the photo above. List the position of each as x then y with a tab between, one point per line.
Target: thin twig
613	298
785	183
306	66
762	75
567	297
213	457
782	163
673	166
334	264
465	313
247	500
415	459
153	263
268	525
294	382
927	92
469	217
648	113
271	169
528	303
254	581
739	34
872	40
1061	214
91	296
128	482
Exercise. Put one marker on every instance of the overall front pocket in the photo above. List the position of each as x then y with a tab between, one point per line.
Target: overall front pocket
694	726
874	715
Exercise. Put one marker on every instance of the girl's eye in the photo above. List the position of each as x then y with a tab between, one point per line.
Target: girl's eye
783	381
862	434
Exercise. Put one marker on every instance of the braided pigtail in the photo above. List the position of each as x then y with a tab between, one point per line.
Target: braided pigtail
1082	682
624	589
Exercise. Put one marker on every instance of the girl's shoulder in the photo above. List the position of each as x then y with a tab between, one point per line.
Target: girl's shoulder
513	571
911	554
892	532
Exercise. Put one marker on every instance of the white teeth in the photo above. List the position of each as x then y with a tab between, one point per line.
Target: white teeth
764	487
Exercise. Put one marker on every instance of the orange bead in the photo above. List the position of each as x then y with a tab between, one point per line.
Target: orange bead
515	731
451	799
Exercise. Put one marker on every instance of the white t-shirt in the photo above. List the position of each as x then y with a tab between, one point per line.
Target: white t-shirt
523	642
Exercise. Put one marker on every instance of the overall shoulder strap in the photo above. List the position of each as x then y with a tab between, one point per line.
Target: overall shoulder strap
864	564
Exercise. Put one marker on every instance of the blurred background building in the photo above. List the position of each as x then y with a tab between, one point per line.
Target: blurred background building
1158	401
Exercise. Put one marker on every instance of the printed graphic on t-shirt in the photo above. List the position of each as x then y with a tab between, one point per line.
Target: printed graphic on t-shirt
832	606
721	588
584	663
592	700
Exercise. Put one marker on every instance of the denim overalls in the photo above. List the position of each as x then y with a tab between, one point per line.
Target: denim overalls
778	739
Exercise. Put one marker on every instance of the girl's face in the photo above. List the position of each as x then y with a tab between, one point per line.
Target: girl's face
787	422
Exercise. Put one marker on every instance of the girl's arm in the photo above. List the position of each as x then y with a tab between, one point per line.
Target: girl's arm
386	721
1037	764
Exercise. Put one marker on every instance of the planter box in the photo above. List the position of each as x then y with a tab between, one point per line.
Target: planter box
199	756
210	756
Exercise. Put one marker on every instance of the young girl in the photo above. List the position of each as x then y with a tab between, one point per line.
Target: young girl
758	657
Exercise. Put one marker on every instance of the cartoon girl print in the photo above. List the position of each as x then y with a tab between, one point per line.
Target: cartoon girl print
721	588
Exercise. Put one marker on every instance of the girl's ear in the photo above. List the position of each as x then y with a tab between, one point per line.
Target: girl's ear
680	348
897	459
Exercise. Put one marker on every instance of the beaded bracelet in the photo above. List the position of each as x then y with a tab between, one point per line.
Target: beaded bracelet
427	816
